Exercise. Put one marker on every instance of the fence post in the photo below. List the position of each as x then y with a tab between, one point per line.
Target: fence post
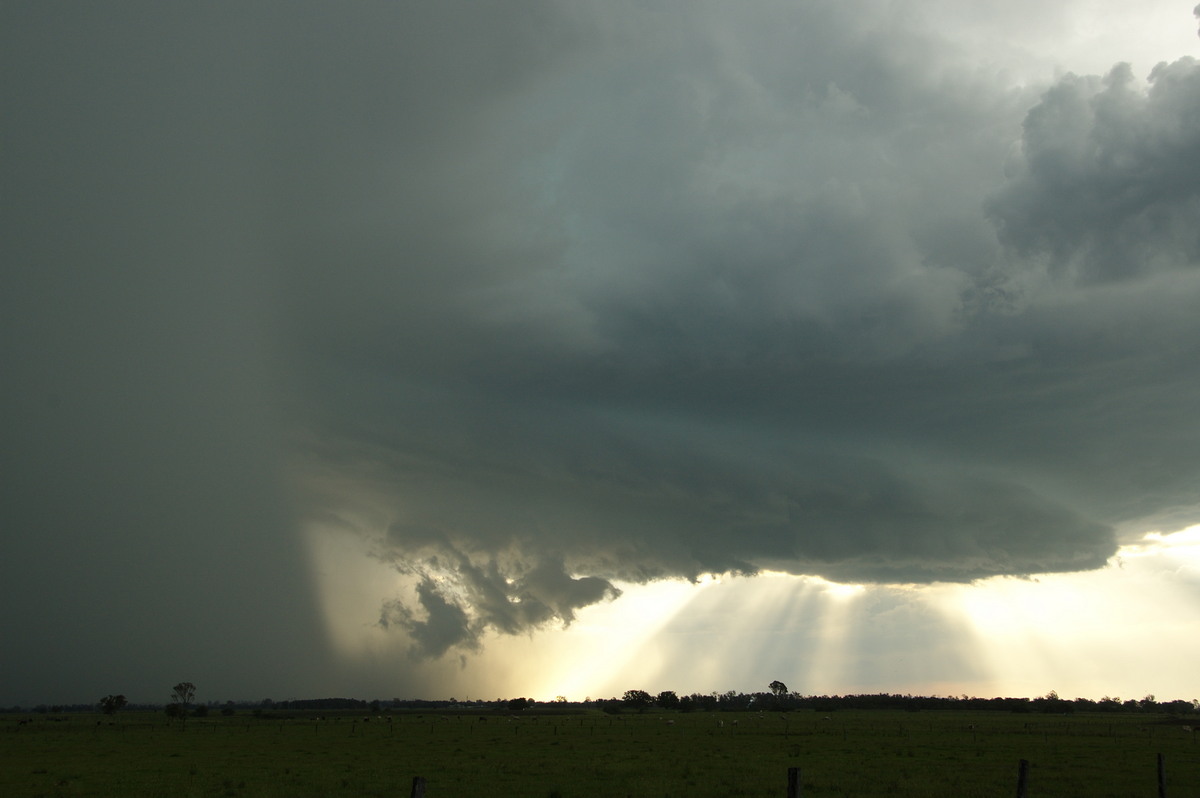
1162	777
418	788
794	785
1023	779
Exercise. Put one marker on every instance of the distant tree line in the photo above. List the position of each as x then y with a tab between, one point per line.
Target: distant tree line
777	698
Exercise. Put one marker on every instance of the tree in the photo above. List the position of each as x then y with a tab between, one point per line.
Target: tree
731	700
778	688
110	704
667	699
638	699
182	695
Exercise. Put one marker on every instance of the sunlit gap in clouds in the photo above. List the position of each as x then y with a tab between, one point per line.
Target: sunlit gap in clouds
717	634
713	634
606	646
1128	629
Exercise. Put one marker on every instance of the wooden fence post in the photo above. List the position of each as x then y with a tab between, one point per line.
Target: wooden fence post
418	788
794	784
1162	777
1023	779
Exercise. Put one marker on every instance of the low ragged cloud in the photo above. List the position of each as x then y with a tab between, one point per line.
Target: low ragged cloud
461	601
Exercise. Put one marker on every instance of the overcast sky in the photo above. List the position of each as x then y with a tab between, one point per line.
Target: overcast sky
408	349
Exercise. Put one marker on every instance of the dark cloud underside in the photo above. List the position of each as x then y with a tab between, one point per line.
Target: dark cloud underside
537	298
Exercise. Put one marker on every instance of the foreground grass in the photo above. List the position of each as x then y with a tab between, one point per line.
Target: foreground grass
846	753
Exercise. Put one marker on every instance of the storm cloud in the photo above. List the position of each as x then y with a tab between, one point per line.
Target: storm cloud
534	299
1107	187
794	290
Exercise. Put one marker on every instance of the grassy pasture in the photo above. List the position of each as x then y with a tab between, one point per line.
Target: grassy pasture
844	753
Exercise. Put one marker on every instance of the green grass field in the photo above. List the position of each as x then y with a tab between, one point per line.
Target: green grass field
844	753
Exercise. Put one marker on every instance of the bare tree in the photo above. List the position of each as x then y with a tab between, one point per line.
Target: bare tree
111	703
182	695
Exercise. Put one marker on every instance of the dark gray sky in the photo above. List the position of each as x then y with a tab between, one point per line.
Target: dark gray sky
532	300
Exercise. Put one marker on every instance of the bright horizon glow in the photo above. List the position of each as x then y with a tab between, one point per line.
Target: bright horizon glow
1063	628
1023	637
1002	636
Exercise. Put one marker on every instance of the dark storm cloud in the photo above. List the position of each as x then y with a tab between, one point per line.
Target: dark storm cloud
1108	186
539	297
709	292
445	624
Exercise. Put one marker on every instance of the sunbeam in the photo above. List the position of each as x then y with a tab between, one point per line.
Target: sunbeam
1128	628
